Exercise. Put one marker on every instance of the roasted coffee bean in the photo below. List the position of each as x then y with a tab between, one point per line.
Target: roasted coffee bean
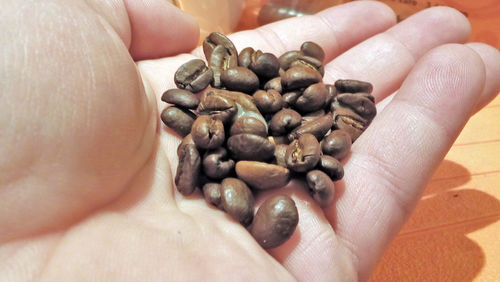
221	60
188	139
279	154
360	103
303	153
300	77
215	39
275	84
250	147
290	98
212	193
332	93
217	106
277	140
353	86
261	175
312	49
181	98
288	58
349	121
321	187
248	125
216	163
331	166
284	121
240	79
336	144
309	62
312	99
245	57
237	200
275	221
264	65
268	101
207	132
177	119
319	127
193	76
313	116
188	170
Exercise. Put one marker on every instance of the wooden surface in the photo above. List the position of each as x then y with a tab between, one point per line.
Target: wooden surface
454	233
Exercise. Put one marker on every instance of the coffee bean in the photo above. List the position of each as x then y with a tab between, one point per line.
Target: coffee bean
275	221
361	104
188	170
336	144
179	120
245	57
288	58
215	39
332	93
319	127
217	106
216	163
321	187
240	79
193	76
303	153
300	77
289	98
248	125
353	86
309	62
188	139
274	84
277	140
312	116
279	154
181	98
264	65
250	147
312	49
331	166
262	176
284	121
207	132
237	200
268	101
221	60
212	193
349	121
312	99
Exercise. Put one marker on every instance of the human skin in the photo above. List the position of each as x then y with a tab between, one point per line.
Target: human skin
86	168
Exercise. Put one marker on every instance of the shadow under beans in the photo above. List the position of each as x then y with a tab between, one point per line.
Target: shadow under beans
448	175
434	244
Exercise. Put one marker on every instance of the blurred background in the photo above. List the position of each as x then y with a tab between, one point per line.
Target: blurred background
453	233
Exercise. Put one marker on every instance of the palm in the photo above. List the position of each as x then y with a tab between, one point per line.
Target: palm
100	202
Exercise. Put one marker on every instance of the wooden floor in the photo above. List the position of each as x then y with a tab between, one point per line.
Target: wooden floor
454	233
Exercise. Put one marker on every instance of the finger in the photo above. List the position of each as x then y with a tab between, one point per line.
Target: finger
395	157
335	29
159	29
491	60
385	59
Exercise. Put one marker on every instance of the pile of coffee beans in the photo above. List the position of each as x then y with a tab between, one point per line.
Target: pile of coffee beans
260	121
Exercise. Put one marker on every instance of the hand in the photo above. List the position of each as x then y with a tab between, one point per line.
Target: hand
86	173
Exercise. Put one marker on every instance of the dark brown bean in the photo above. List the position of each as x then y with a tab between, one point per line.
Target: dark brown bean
336	144
177	119
288	58
188	139
216	163
303	153
207	132
284	121
181	98
312	49
217	106
313	116
237	200
212	193
290	98
245	57
248	125
193	76
188	170
312	99
275	221
279	154
264	65
353	86
275	84
300	77
349	121
240	79
261	175
213	40
268	101
331	166
250	147
221	60
309	62
361	104
319	127
321	187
